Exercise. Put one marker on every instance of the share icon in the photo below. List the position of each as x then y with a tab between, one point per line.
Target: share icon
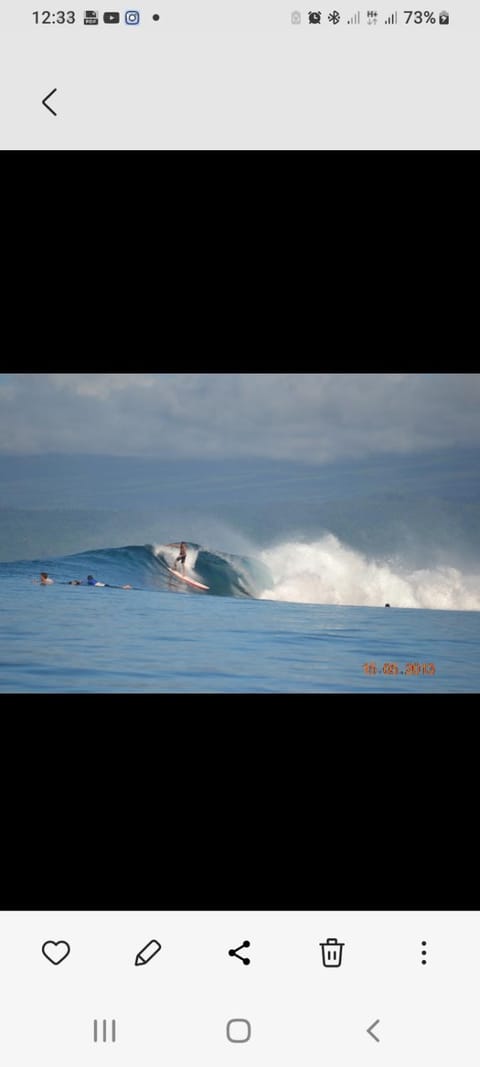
235	951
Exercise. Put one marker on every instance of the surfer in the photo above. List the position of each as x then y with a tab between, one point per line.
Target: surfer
182	555
44	579
91	580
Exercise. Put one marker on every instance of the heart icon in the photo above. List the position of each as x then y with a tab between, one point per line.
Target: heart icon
56	951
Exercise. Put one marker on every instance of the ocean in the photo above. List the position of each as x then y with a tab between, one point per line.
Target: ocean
277	622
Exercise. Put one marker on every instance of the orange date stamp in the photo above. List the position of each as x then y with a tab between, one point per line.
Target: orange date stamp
393	668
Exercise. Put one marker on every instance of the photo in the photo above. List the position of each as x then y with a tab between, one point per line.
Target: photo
239	533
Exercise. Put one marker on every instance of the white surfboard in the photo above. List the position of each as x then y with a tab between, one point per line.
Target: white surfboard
190	581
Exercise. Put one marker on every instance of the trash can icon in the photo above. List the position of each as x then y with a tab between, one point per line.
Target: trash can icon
332	952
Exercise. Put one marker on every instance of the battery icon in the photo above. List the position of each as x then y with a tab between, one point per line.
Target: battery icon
332	952
444	18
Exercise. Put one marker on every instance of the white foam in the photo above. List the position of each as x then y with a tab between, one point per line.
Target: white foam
329	572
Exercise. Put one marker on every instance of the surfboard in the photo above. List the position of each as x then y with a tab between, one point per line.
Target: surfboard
190	581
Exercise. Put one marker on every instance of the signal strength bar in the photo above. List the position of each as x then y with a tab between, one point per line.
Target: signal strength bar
392	19
354	20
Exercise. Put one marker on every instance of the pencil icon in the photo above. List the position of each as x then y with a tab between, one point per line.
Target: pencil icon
147	953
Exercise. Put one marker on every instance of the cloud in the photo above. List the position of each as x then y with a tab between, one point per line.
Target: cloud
312	417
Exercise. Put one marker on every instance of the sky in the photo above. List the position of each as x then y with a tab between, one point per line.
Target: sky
387	463
310	418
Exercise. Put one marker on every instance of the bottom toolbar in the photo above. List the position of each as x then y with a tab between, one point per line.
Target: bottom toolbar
175	988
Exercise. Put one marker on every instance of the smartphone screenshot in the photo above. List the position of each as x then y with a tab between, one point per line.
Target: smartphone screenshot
255	75
239	988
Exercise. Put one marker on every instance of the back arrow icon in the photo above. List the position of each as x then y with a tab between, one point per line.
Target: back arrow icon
370	1028
44	102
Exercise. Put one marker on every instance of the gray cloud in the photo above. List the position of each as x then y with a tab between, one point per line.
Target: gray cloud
311	417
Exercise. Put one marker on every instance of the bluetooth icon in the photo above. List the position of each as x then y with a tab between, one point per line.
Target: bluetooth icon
334	17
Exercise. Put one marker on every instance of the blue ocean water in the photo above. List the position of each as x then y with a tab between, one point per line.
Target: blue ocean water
164	637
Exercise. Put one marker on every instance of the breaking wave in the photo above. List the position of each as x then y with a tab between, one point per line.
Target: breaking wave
329	572
324	571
